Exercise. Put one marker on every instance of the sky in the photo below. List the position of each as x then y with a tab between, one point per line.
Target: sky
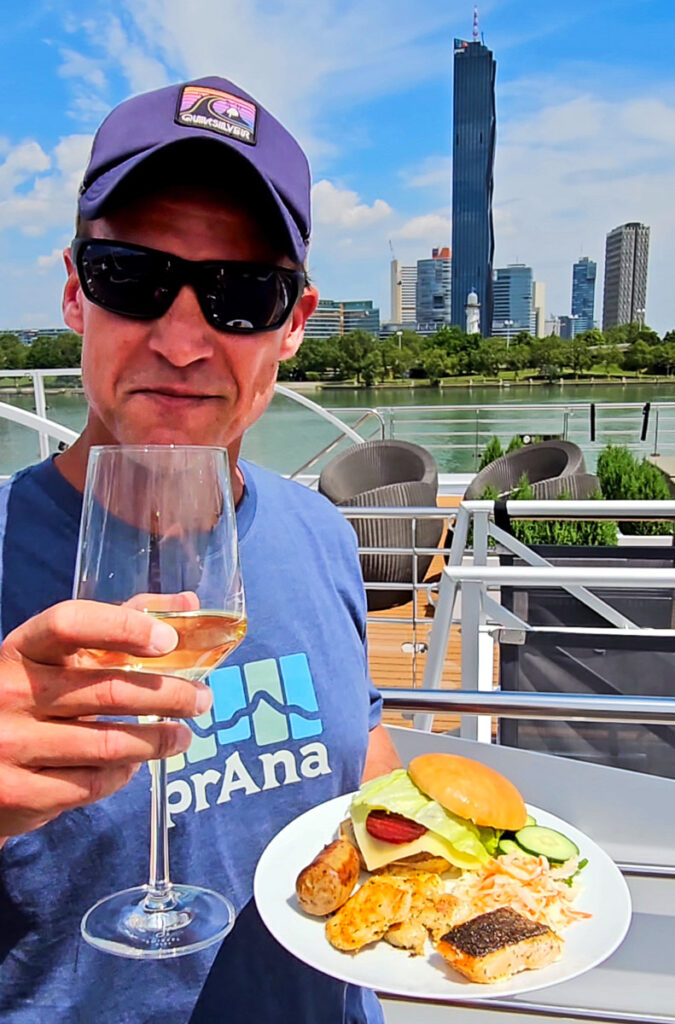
585	126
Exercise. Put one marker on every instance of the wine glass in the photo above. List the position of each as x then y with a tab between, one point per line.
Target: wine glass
158	532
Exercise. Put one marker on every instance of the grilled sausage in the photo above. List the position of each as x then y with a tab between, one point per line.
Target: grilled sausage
326	883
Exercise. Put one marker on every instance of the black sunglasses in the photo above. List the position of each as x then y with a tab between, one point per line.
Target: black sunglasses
235	297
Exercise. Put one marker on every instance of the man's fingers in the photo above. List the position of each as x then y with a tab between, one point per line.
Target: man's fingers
91	744
29	799
56	693
52	637
185	601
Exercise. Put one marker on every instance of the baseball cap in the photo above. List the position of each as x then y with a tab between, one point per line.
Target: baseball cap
207	109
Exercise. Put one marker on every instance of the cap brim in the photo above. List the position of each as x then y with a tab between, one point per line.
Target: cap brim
95	200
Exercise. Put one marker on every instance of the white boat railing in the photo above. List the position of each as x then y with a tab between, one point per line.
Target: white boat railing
480	613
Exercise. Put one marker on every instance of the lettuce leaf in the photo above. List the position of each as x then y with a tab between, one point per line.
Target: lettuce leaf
398	794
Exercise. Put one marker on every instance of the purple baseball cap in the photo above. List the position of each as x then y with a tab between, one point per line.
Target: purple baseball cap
207	109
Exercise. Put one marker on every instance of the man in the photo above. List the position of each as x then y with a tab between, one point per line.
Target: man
187	284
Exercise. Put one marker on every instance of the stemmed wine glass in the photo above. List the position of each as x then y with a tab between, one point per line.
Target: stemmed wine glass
158	532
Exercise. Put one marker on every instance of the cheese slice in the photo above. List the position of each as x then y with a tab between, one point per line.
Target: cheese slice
377	854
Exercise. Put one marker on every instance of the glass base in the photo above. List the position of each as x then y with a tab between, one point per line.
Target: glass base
128	925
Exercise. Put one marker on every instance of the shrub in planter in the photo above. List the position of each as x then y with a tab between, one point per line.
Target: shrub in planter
623	477
568	532
493	450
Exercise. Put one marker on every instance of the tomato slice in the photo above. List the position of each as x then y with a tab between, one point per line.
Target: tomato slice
393	828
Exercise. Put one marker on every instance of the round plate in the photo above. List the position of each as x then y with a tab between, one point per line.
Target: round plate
381	967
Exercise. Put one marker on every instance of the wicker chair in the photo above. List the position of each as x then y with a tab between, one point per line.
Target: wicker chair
387	474
550	466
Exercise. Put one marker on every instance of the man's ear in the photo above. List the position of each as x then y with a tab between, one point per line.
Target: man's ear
302	311
72	297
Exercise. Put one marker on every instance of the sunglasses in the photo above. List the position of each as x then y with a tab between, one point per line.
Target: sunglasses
234	297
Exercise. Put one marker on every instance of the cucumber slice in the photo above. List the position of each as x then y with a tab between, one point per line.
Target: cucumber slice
509	846
530	821
546	842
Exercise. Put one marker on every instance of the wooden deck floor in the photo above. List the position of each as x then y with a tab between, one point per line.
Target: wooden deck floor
396	649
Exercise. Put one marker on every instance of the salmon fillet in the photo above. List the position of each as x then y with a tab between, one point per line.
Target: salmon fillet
495	946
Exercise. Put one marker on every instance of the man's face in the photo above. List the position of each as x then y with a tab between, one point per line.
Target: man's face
177	380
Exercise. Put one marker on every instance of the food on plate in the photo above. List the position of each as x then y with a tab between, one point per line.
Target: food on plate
326	883
432	909
494	946
374	912
525	883
454	862
546	842
368	914
445	810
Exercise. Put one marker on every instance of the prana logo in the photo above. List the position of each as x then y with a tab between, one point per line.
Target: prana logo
270	701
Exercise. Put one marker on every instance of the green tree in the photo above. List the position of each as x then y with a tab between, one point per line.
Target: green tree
436	365
518	357
49	351
12	352
356	350
637	356
577	354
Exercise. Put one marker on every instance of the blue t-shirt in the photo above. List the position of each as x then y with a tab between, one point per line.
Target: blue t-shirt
288	729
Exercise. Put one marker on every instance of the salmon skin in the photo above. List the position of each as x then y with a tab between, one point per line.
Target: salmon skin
495	946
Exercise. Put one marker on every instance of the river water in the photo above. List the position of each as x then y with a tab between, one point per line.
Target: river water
288	435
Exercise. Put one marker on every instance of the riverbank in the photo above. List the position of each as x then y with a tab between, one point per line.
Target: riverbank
448	384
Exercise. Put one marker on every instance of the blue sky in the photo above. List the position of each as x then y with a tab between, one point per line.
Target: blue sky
586	126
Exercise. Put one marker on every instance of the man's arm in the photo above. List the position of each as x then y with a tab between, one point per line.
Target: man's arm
381	756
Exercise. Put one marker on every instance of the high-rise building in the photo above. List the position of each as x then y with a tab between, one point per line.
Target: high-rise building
583	294
626	259
403	294
538	309
513	309
434	284
333	317
473	149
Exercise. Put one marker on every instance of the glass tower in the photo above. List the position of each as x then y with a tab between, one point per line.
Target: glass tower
473	150
583	294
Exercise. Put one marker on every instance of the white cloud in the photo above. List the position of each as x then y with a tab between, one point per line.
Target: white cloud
76	65
52	260
36	202
552	200
431	228
341	207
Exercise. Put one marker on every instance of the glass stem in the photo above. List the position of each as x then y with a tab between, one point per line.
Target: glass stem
160	896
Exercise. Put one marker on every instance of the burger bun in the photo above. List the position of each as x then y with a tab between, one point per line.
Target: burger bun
470	790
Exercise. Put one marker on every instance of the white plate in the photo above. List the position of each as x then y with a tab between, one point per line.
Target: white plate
587	942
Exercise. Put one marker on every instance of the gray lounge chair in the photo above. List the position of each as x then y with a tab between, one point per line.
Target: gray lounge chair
387	474
550	466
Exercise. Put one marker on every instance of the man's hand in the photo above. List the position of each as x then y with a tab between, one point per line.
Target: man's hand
54	752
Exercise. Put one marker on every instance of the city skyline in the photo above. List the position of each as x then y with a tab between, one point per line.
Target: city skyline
586	127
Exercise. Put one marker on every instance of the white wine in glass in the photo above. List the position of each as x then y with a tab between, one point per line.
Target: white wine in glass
158	533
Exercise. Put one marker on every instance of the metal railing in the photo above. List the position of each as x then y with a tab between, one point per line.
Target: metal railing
480	613
647	428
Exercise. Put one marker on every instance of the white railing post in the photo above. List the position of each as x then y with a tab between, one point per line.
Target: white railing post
40	409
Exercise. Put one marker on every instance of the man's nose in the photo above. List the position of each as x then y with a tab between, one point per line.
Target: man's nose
182	336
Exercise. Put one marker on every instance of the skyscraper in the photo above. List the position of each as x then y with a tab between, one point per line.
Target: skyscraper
583	294
513	309
434	287
403	294
473	148
626	258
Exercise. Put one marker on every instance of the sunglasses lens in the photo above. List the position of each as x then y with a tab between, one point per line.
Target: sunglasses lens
132	283
247	299
142	283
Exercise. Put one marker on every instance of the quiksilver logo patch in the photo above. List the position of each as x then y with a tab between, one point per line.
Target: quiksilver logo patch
217	111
